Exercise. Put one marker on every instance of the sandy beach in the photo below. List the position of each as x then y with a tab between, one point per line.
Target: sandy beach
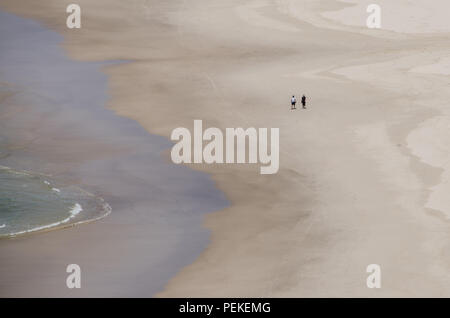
363	172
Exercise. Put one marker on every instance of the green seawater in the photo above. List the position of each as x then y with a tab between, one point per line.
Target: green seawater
31	203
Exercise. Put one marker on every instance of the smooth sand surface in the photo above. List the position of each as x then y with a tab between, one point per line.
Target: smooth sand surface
358	168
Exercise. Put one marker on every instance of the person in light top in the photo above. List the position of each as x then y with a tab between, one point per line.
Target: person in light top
293	102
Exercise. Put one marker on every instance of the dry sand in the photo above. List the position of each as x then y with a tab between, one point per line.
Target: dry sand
362	175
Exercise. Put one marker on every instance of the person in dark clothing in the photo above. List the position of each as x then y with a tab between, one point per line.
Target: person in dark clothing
304	101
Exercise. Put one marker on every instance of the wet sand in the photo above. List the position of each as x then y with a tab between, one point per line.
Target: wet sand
355	180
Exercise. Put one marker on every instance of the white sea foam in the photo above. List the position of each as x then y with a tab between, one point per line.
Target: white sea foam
2	226
53	189
76	209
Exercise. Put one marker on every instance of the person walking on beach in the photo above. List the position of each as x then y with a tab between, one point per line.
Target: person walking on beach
304	101
293	102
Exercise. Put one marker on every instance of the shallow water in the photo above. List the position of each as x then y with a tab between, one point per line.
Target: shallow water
30	203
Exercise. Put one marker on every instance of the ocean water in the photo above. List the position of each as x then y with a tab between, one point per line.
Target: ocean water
31	203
